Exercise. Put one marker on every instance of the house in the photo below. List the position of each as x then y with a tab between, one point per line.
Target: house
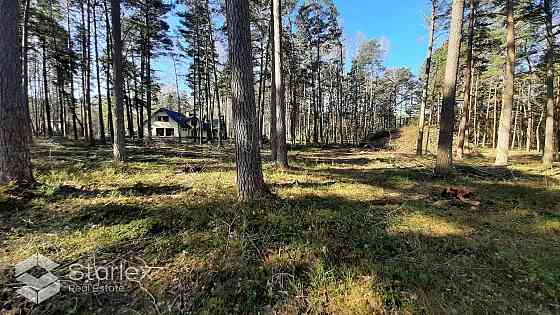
171	124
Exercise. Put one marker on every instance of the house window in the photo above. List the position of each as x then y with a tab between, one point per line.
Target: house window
163	118
160	132
169	132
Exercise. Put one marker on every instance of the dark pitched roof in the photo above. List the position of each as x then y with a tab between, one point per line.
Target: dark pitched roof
181	119
188	122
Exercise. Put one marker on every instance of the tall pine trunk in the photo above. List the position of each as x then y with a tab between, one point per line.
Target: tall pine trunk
447	120
531	119
119	153
273	91
464	124
148	55
15	123
46	90
110	123
549	134
88	75
421	120
278	86
250	182
102	139
71	79
504	131
25	45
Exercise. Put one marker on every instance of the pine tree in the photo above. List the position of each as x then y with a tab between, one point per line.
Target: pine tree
119	153
250	182
447	120
15	125
504	132
278	86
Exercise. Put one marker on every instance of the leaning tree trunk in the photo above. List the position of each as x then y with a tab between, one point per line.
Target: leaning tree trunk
250	182
504	131
15	122
549	134
464	124
421	120
447	120
278	86
119	153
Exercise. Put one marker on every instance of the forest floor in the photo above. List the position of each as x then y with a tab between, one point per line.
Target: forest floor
347	231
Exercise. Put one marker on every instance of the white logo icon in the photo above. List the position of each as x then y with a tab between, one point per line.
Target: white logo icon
37	290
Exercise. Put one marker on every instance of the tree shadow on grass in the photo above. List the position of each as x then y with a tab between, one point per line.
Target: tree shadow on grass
146	190
313	161
460	174
319	242
345	235
293	184
452	258
63	192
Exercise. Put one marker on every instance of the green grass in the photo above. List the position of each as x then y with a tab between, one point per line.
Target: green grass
346	232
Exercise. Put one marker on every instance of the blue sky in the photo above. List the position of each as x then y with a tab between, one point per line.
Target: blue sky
399	24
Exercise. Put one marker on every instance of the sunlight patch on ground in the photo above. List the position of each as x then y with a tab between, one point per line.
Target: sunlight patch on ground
426	225
73	244
291	256
351	295
357	192
548	226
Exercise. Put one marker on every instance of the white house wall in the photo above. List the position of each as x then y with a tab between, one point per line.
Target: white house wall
165	125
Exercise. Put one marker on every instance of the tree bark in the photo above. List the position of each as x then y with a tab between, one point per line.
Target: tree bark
250	182
531	119
262	81
464	124
549	135
273	91
119	153
487	117
71	79
15	123
421	120
475	117
504	131
447	120
149	78
87	43
110	122
46	90
25	45
282	147
102	139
